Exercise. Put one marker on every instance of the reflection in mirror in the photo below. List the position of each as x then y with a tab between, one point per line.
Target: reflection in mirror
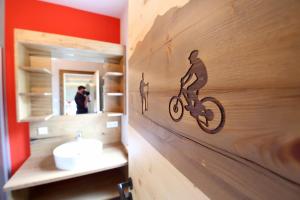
79	92
88	68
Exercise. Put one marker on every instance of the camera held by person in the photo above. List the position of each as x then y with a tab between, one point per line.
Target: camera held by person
86	93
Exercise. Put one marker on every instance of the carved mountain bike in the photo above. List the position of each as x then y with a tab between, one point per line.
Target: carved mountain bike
176	110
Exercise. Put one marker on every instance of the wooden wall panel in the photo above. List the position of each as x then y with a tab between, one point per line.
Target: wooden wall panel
152	182
39	106
141	16
108	49
40	62
40	82
251	52
114	84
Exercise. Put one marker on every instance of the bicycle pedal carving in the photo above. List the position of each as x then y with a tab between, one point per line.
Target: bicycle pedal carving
144	95
197	108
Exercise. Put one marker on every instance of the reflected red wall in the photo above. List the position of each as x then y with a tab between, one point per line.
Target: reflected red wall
40	16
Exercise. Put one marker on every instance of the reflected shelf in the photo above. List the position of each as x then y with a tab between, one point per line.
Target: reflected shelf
35	94
41	70
113	74
37	118
114	94
114	114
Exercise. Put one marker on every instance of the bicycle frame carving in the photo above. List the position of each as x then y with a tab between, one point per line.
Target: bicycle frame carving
195	106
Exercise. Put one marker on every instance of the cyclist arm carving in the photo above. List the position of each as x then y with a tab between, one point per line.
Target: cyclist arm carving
187	76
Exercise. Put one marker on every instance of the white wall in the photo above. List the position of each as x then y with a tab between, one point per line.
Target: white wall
124	41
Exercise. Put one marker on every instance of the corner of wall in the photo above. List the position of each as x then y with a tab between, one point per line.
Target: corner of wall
124	41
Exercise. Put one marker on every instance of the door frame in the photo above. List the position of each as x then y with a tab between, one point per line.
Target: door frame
5	165
4	141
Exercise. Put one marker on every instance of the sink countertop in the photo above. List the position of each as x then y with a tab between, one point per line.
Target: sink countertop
40	169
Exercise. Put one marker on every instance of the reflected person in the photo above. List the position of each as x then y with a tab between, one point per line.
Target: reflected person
82	100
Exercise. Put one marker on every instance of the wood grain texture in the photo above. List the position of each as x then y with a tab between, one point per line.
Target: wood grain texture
22	82
153	179
251	51
40	61
113	84
42	83
109	50
30	105
114	87
91	125
218	174
142	15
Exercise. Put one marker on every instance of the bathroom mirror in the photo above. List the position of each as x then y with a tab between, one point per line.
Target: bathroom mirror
50	68
70	74
79	92
69	69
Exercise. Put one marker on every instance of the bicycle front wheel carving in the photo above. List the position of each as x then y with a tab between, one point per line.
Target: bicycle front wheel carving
213	118
176	108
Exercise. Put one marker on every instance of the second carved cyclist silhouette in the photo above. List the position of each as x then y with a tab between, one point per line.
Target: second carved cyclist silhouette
195	106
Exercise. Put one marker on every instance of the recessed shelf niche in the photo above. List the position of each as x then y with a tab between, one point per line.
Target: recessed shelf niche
114	88
33	85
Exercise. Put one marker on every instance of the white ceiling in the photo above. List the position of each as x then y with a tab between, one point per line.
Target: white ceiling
113	8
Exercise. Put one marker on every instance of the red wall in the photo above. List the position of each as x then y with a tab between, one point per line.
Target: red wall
45	17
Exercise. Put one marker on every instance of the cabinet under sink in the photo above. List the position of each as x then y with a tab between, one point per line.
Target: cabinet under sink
38	178
98	186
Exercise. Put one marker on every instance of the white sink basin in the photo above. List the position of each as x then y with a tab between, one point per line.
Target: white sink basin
77	154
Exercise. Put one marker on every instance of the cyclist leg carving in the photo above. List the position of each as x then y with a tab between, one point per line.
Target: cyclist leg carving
143	103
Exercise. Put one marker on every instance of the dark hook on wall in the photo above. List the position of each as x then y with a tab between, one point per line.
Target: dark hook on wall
190	94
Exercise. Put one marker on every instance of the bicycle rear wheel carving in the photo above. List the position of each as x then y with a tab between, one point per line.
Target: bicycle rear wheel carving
176	108
222	113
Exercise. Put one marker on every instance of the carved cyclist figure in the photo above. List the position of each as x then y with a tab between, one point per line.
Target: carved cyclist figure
200	109
199	70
